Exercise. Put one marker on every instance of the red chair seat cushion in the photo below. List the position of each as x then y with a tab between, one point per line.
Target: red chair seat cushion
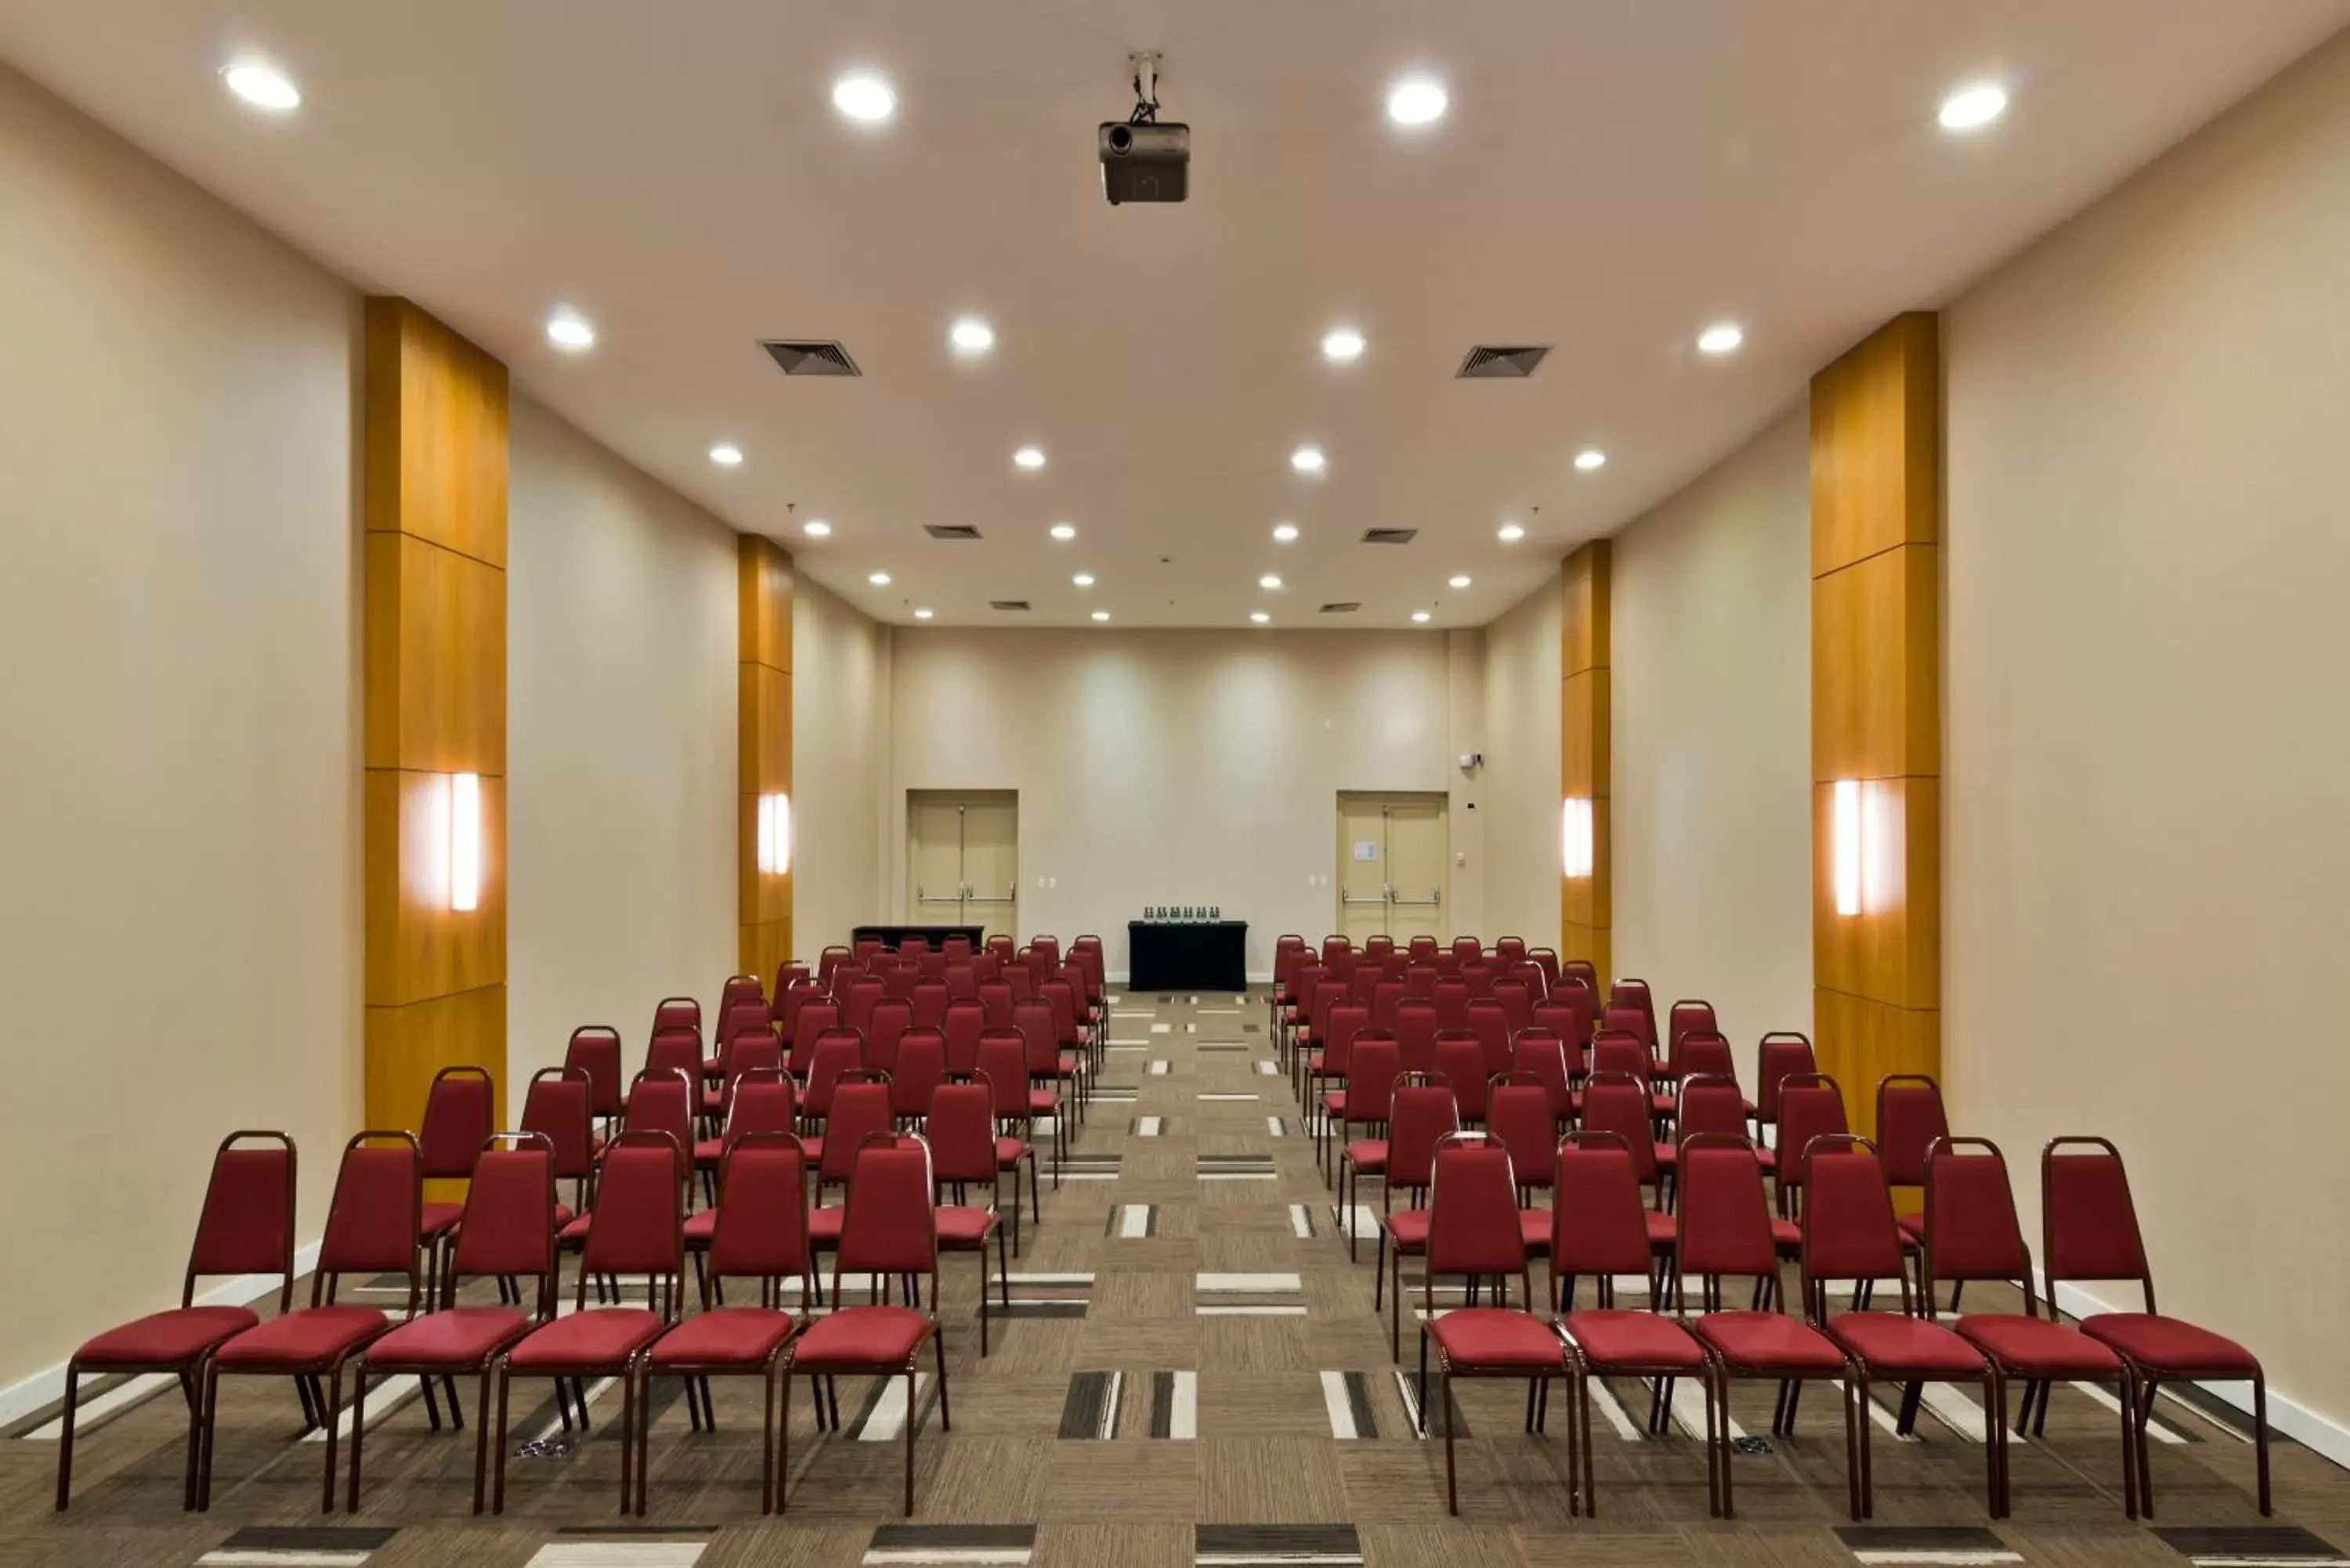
1609	1336
1891	1341
1913	1230
708	1152
303	1338
729	1336
880	1337
459	1338
1042	1102
439	1220
2171	1345
1334	1104
813	1149
1787	1236
1409	1229
574	1232
825	1224
587	1341
1668	1156
166	1338
712	1102
963	1226
1768	1342
1368	1154
1664	1232
2036	1347
1534	1224
563	1216
1479	1339
700	1227
1009	1152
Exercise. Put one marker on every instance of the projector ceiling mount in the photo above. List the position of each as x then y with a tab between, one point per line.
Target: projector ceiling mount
1141	159
1145	67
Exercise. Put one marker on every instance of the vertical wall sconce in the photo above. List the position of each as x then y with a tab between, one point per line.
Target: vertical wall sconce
1848	846
464	841
1574	836
1865	849
775	834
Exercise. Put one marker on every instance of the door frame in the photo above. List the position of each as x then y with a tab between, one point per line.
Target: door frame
1442	800
961	799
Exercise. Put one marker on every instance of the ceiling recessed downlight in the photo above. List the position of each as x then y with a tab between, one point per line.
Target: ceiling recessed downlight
1591	459
1029	457
1417	100
879	579
1721	337
923	614
569	330
1269	582
1511	533
1973	106
263	87
1065	531
1101	615
1421	616
862	96
726	454
1308	459
1260	618
1458	580
969	335
816	528
1082	579
1285	533
1342	345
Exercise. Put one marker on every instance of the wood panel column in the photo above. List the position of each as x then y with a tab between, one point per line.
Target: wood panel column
435	467
1586	903
1877	717
765	751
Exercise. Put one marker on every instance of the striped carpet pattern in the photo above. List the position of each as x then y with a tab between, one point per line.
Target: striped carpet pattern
1191	1373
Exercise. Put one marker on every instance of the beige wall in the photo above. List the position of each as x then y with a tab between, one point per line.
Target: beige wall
840	769
180	921
621	653
1712	740
1520	780
2148	878
1199	767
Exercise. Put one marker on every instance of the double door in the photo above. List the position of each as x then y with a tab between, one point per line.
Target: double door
1391	866
962	860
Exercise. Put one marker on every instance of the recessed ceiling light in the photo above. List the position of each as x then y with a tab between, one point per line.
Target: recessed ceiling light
1972	107
1420	615
1101	615
816	528
1260	616
726	454
923	614
1721	337
1458	579
1029	457
1065	531
1286	533
1342	343
1082	579
1269	582
568	329
879	579
1307	460
1417	100
1511	533
969	335
1591	458
263	87
861	95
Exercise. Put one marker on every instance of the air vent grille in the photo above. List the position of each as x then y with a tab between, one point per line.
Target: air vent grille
952	531
1495	362
1389	535
1342	607
811	356
1007	604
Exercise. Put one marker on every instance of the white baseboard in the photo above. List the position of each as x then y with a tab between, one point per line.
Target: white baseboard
2319	1434
20	1399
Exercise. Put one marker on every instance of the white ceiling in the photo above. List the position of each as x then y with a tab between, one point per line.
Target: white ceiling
1613	175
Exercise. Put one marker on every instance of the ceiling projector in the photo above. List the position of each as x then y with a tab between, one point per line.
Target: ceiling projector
1142	159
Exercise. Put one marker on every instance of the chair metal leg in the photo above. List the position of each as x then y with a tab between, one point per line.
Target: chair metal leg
481	1438
2259	1436
65	1439
1451	1483
910	1442
1858	1479
498	1446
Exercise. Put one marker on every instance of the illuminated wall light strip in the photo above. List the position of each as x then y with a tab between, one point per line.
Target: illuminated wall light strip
1574	836
1846	811
464	842
775	834
1876	849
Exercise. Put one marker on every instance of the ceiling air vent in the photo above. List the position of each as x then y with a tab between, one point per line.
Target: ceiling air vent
1342	607
1007	604
951	531
1491	362
811	356
1389	535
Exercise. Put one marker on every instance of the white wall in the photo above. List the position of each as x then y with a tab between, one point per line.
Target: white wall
1174	767
180	914
621	654
1522	768
2146	878
840	769
1713	680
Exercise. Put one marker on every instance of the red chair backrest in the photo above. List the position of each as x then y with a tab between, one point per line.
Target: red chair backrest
1546	961
1848	1229
460	1113
1467	948
817	1020
922	1063
246	1224
1377	947
961	981
1689	1018
961	1027
1414	1032
1419	981
929	1005
858	1003
1579	998
1371	1074
762	1228
861	1105
1387	1002
556	1107
837	1051
956	946
1460	1061
829	961
1810	1106
2088	1225
1725	1225
1618	1103
1517	1000
509	1225
1628	1021
1333	946
377	1210
1909	1118
1035	1022
1327	994
1423	946
1510	950
595	1050
1542	1056
891	1021
1711	1105
1364	983
738	989
1451	1004
1781	1052
1491	1026
745	1054
1598	1224
891	1226
744	1018
663	1103
1704	1054
995	1005
1423	1112
1633	993
764	1102
961	1130
1003	1063
638	1226
1060	1000
1338	1033
678	1013
1517	1112
1971	1231
675	1051
1616	1052
1582	969
1472	1209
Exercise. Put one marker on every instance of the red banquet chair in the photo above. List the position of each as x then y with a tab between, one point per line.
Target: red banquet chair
1725	1230
962	1132
2089	1232
372	1229
1423	1113
638	1227
891	1230
1783	1052
1971	1233
1473	1234
1849	1236
762	1234
1002	1064
1909	1119
244	1226
1811	1106
556	1107
460	1113
508	1233
595	1050
1365	1101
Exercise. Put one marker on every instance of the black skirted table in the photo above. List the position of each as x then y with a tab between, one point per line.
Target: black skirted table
893	937
1187	955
